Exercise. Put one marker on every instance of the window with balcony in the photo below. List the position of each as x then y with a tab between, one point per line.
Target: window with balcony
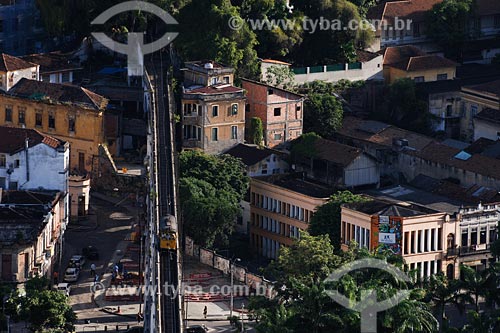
22	116
38	118
71	124
8	113
234	109
465	237
482	235
473	236
52	121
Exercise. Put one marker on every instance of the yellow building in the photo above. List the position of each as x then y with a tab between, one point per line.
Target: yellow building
70	113
410	62
281	206
213	118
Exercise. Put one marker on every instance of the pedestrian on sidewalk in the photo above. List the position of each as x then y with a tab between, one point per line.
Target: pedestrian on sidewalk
205	312
92	270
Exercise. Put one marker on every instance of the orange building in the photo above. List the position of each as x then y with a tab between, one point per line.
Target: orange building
281	206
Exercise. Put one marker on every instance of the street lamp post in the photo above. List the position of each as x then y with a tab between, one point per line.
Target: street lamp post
232	286
242	318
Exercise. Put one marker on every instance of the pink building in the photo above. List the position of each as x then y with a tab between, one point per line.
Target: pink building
280	110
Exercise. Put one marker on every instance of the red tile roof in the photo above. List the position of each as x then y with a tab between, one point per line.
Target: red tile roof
51	62
480	164
10	63
412	9
393	55
410	58
58	93
13	139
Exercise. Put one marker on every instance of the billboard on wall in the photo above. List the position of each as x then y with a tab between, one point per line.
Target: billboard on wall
387	233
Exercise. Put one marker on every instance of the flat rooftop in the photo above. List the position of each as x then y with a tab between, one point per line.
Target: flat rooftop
295	182
390	207
412	195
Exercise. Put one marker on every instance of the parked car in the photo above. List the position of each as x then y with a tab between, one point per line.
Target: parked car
64	288
72	274
90	252
197	329
77	261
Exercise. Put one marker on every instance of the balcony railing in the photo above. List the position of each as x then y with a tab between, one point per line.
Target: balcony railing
468	250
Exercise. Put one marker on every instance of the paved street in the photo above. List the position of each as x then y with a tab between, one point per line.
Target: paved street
106	226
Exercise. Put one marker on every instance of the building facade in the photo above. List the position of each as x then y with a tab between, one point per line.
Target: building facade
280	207
213	118
412	231
69	113
477	99
32	232
280	110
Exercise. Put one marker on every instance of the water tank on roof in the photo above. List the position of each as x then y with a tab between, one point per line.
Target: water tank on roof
209	65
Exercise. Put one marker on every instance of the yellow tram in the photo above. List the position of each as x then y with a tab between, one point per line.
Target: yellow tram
168	235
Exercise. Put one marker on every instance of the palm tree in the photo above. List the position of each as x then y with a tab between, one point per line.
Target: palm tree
412	315
474	283
441	291
482	322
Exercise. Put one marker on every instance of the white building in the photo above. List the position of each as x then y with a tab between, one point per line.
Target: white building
367	67
258	162
32	160
13	69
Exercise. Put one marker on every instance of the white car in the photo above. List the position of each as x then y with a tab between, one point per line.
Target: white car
72	274
77	260
64	288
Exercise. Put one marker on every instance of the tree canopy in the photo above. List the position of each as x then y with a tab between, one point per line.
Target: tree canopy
211	188
302	304
214	39
447	24
323	114
326	220
402	108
